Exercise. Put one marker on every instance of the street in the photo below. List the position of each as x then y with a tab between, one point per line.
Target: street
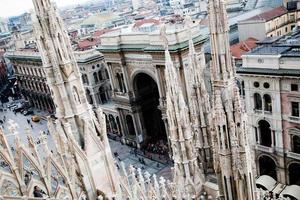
125	153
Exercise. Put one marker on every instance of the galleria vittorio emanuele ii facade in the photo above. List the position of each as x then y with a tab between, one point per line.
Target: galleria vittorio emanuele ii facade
207	131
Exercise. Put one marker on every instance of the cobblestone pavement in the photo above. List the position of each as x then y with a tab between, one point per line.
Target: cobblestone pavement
124	151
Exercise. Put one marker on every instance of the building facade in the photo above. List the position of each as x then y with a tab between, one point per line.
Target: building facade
136	69
31	77
271	86
276	22
3	70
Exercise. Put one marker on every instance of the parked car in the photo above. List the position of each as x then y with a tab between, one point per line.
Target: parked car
19	108
35	118
28	112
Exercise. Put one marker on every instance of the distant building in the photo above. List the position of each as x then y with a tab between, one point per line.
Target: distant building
241	48
146	25
3	70
23	22
271	75
31	77
136	4
135	61
276	22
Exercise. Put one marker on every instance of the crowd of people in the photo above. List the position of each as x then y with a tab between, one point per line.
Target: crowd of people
160	147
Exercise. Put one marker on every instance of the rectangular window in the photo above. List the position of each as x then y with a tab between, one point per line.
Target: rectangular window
295	109
294	87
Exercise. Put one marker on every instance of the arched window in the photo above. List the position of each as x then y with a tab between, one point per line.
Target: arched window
85	79
89	96
100	75
294	174
257	102
130	125
267	166
103	96
296	144
265	133
268	103
95	77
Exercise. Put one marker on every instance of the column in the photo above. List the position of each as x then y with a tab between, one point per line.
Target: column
122	124
118	127
111	77
273	138
125	76
259	135
135	129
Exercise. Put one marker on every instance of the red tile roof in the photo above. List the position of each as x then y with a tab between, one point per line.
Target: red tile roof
98	33
239	49
145	21
269	15
87	43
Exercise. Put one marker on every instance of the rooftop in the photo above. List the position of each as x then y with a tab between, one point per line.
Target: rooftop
288	45
269	15
145	21
239	49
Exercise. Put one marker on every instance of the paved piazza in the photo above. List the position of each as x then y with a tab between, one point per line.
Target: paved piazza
125	153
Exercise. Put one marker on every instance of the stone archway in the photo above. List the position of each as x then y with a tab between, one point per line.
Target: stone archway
294	174
267	166
147	98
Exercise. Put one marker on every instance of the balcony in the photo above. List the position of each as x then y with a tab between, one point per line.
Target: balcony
293	155
265	112
294	118
264	148
258	111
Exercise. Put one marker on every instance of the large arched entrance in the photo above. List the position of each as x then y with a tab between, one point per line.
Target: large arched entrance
267	166
294	174
147	97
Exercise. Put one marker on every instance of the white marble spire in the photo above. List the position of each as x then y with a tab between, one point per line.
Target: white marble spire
186	168
76	121
232	160
198	100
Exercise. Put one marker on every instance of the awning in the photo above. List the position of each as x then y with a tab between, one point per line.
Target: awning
267	182
291	190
